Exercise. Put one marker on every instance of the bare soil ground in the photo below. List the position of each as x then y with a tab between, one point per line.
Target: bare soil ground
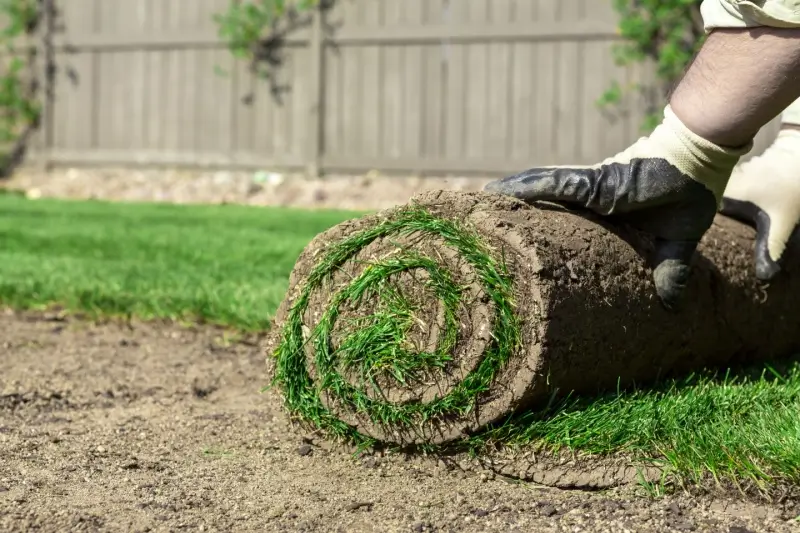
359	192
157	427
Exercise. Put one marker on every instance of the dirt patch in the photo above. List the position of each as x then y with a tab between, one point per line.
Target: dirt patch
360	192
143	427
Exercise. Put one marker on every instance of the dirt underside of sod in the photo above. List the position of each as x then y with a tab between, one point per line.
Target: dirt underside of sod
143	426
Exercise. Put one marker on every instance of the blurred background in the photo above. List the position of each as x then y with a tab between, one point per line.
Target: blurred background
348	103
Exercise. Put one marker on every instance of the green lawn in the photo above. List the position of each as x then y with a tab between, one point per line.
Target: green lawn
223	264
230	264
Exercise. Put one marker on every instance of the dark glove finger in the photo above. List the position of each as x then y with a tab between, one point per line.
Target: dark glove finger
639	184
590	187
672	270
751	214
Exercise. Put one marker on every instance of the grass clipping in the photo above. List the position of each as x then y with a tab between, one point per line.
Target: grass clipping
390	308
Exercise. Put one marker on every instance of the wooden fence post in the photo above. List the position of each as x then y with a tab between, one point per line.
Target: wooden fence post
46	73
315	111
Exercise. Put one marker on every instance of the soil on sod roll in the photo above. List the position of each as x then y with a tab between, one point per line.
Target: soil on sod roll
427	322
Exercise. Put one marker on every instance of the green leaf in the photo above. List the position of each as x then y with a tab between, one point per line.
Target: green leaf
245	24
657	31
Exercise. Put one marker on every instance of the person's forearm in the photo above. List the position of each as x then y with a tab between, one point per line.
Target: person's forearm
740	80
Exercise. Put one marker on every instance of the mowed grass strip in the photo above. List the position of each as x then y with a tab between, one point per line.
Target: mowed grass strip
737	429
230	265
221	264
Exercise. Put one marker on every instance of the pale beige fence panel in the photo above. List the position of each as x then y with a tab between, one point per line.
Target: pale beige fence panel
472	85
409	86
137	84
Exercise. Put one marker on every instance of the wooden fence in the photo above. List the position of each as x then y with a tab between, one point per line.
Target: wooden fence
413	86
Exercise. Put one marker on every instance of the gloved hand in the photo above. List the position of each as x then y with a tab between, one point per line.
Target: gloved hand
669	184
765	193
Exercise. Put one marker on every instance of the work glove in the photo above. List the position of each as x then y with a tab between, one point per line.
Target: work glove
669	184
765	193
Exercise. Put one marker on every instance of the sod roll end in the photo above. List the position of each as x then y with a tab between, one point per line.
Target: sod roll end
428	322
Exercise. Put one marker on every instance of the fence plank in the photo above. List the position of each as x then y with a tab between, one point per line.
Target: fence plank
413	93
433	86
521	99
499	105
456	83
392	91
570	76
371	80
477	98
544	80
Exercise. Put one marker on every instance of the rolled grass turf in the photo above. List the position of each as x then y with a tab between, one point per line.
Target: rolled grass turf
429	322
230	265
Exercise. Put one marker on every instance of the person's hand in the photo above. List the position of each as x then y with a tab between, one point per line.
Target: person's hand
669	184
765	193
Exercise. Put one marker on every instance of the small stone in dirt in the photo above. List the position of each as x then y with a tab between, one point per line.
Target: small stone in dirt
305	449
419	527
370	462
3	489
548	510
681	525
202	391
739	529
674	508
480	512
355	506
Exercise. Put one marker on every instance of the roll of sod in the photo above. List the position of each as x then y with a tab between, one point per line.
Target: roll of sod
425	323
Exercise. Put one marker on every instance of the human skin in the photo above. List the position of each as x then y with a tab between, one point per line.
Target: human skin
740	80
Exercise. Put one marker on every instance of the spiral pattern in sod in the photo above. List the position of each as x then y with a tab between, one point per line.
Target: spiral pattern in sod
398	331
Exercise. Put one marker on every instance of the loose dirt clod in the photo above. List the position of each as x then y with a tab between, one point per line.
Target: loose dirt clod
428	322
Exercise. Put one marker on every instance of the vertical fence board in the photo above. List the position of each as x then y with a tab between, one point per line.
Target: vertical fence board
434	66
456	84
370	83
413	93
543	83
523	87
500	93
570	77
